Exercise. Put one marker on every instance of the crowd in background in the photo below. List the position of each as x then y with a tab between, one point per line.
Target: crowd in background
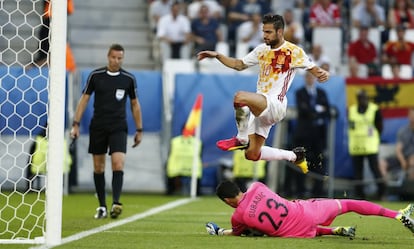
183	28
376	39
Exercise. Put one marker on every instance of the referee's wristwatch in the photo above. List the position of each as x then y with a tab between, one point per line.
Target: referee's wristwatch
140	130
75	123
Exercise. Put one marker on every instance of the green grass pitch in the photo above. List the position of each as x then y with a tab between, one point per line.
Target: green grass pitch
183	227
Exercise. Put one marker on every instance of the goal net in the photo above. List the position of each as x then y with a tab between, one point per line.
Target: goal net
31	111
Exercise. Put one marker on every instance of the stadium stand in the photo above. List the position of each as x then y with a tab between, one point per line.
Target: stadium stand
330	39
97	23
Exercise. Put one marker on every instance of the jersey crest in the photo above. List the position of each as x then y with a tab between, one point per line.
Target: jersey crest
281	61
119	94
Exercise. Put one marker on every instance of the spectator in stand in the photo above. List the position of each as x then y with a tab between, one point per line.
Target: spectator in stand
401	14
396	70
251	31
399	51
205	31
280	6
325	13
240	11
320	59
363	51
158	9
404	150
235	17
322	13
174	32
293	29
368	14
215	10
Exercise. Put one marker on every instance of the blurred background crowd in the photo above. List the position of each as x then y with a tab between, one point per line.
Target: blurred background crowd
358	38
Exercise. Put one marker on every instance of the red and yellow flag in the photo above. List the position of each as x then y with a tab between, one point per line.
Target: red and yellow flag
194	119
394	97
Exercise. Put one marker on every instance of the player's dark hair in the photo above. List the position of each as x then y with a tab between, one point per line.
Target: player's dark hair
277	21
227	189
116	47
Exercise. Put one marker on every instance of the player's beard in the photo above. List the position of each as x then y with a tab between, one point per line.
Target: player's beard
273	43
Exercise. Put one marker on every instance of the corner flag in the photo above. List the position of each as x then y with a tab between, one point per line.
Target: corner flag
192	128
194	119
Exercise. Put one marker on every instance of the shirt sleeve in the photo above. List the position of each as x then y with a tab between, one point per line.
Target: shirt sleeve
351	49
186	25
237	227
161	27
337	15
400	135
312	16
133	88
388	48
251	58
242	31
90	86
381	13
300	59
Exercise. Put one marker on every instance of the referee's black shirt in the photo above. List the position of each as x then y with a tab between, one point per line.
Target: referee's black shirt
111	91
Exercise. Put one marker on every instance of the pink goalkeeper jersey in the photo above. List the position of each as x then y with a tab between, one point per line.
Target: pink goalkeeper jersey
264	210
277	67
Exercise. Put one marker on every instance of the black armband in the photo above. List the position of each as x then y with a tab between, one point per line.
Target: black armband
75	123
140	130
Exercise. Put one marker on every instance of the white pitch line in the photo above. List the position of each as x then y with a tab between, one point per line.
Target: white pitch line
108	226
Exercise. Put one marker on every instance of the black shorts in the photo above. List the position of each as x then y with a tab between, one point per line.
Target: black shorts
101	139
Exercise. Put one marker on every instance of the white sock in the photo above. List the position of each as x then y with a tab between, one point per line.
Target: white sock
242	121
271	154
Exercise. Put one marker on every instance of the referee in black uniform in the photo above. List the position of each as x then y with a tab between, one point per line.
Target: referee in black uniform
108	128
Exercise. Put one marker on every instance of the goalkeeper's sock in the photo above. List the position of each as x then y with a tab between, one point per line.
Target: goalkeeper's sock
366	208
324	231
99	180
117	182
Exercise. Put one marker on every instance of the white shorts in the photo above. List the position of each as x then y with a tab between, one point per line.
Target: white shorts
274	113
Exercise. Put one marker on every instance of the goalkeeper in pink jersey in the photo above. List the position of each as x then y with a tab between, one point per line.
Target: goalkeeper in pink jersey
264	212
256	113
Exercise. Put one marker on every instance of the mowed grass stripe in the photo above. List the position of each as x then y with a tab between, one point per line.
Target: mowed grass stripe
184	227
175	229
127	220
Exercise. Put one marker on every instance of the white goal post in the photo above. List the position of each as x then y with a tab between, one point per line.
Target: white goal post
31	216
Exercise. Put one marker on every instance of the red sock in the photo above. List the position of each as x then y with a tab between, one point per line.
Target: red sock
324	231
238	105
366	208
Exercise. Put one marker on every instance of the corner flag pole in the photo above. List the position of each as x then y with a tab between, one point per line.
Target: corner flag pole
194	169
193	128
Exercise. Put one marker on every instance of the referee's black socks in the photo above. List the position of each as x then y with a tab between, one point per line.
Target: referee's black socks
117	182
99	179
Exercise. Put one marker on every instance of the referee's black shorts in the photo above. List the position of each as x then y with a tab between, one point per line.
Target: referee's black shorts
102	139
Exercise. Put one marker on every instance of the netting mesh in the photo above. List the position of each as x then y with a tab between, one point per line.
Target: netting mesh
23	117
